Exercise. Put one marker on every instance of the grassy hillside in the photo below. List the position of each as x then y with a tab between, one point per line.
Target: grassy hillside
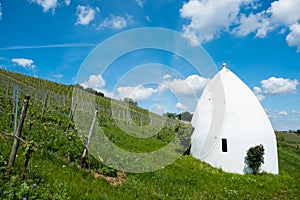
53	171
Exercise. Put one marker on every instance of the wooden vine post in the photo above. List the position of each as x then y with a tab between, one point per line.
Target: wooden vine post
44	107
71	115
18	132
89	139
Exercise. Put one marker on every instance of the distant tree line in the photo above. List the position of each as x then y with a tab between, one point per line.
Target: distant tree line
290	131
89	90
185	116
130	101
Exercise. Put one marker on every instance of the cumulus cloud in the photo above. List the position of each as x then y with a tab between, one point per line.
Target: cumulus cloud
86	14
274	86
258	92
283	113
190	86
67	2
23	62
296	111
137	93
157	108
95	81
140	3
167	76
260	97
253	23
181	106
281	13
59	76
293	38
284	11
48	5
209	19
116	22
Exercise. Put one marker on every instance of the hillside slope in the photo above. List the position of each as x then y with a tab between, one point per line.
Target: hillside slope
53	171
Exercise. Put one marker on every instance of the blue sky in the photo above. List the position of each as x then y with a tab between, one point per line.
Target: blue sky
259	41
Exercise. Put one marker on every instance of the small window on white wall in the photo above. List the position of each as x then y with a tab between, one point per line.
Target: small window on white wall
224	145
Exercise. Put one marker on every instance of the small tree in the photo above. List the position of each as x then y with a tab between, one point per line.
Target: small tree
255	157
130	101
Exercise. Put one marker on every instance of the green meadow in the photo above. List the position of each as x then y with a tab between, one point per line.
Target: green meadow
53	170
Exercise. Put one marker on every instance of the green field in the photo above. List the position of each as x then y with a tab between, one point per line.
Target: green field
54	173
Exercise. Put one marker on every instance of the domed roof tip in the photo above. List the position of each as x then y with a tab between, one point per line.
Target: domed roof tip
224	68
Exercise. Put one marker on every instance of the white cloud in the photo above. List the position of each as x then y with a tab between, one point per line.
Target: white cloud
283	113
140	3
248	25
157	108
167	76
181	106
86	14
252	5
47	4
275	86
253	23
59	76
137	93
260	97
296	111
95	81
258	93
116	22
23	62
281	13
0	12
285	11
293	38
190	86
67	2
209	18
257	90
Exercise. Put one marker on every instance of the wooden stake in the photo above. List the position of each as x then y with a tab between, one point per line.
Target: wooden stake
89	139
44	107
18	132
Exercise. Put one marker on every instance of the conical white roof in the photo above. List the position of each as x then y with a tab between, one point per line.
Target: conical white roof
229	110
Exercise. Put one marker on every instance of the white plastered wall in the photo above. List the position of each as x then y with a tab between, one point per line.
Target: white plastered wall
228	109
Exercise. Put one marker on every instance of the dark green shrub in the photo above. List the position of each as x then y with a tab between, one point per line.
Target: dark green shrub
108	171
255	158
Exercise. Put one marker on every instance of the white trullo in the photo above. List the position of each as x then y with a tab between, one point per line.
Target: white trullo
229	120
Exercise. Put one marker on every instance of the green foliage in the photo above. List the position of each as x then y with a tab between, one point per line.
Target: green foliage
171	115
185	116
130	101
29	148
3	163
255	158
108	171
51	176
16	188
